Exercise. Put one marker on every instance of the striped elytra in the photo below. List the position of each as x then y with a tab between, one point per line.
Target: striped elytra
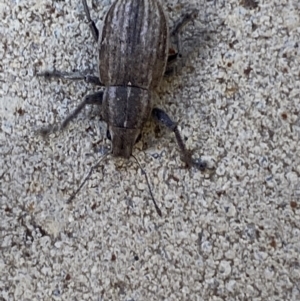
133	47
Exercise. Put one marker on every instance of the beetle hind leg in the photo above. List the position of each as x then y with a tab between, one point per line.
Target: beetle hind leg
92	25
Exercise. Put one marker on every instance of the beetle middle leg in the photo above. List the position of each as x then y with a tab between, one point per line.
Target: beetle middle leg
176	41
162	117
179	25
90	99
90	79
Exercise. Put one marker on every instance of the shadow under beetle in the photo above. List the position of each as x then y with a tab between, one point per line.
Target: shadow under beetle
133	58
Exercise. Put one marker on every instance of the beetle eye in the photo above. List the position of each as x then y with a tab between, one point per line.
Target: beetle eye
139	137
108	136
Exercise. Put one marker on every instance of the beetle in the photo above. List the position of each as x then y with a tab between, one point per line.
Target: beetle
133	58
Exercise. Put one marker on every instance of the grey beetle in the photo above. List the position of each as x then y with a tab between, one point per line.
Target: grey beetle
133	58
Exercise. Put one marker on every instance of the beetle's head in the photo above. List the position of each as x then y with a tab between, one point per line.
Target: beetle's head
123	140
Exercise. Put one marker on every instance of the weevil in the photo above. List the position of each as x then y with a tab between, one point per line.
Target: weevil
133	58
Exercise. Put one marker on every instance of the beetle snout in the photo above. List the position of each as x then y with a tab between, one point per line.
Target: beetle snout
123	141
121	148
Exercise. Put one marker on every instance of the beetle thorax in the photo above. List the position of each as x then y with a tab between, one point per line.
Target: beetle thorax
125	109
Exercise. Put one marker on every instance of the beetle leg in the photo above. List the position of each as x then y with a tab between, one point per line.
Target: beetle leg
90	79
175	40
170	63
163	118
179	25
90	99
92	25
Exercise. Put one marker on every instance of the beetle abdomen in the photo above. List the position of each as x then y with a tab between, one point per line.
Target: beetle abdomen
134	44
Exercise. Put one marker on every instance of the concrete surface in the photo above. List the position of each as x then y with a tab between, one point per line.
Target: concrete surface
232	234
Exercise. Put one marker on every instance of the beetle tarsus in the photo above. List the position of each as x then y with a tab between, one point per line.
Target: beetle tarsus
186	156
47	130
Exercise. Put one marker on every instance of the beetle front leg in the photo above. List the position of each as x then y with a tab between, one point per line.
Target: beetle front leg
163	118
90	99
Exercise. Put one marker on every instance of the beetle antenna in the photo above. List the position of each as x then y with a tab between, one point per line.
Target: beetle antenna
73	195
149	187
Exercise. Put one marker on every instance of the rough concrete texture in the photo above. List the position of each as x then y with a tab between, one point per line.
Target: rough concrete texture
231	234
